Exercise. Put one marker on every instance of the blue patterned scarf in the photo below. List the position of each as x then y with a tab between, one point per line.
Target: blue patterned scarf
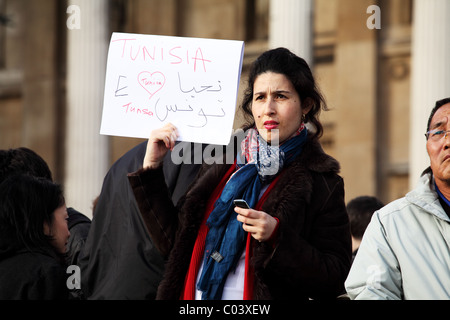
225	240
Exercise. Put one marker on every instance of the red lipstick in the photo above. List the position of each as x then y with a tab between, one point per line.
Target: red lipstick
270	124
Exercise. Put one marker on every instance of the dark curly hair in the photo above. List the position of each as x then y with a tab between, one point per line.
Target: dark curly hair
283	61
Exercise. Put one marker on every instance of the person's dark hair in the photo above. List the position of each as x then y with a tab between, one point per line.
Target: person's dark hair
26	203
360	211
438	104
283	61
23	161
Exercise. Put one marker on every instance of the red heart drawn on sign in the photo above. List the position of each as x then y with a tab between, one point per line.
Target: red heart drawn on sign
151	82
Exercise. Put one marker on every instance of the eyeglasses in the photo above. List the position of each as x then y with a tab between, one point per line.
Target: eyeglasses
436	134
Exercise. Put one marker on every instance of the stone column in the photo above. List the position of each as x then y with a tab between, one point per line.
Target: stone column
38	57
354	107
86	150
290	26
430	79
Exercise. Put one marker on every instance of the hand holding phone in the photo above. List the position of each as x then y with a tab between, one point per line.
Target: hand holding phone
241	203
258	223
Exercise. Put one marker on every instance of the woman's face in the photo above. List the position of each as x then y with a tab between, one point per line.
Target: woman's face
59	230
276	107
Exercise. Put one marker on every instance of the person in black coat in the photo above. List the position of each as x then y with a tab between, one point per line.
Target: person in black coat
26	161
33	239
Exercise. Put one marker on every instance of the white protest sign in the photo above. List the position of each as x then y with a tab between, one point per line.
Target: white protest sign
190	82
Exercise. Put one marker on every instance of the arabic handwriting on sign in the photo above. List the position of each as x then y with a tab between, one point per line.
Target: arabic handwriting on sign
203	114
203	88
151	82
162	115
162	112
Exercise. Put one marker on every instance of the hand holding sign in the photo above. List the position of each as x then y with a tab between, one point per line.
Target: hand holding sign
154	80
161	140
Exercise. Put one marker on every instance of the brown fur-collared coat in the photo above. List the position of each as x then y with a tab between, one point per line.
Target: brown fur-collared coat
312	253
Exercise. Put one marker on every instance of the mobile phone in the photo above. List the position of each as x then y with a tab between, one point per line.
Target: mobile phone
241	203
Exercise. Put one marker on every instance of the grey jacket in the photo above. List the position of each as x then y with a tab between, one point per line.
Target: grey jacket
405	251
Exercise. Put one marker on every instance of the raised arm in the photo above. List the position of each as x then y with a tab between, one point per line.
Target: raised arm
151	192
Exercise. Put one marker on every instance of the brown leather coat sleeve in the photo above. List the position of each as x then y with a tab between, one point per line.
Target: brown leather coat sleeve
157	209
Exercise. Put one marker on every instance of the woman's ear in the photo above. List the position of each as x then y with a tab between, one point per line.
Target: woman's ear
307	106
47	230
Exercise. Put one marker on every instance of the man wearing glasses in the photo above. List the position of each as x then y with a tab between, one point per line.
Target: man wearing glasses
405	251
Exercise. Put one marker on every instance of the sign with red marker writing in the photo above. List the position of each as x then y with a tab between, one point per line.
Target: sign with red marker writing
190	82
